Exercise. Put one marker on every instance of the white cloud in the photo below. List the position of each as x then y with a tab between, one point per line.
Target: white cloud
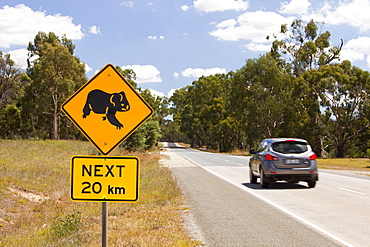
368	61
318	15
254	26
185	7
198	72
295	7
128	4
161	94
19	57
20	24
230	23
171	92
145	73
156	93
354	13
87	68
356	49
94	30
155	37
176	75
220	5
258	47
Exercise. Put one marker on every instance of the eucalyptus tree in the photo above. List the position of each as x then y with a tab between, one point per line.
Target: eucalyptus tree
55	74
304	46
344	93
201	111
149	134
12	79
264	98
129	75
210	95
183	113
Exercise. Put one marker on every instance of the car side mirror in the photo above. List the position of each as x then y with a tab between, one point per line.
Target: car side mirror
252	151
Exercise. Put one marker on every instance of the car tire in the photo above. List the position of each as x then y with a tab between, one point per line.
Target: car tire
311	183
263	180
252	177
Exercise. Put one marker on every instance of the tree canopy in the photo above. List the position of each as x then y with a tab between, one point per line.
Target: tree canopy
54	75
295	90
300	88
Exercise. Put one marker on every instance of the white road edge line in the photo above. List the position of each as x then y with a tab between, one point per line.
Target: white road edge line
353	191
276	206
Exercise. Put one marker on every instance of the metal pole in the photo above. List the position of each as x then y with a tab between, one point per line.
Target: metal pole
104	224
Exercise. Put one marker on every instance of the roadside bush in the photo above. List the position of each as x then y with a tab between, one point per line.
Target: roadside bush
65	225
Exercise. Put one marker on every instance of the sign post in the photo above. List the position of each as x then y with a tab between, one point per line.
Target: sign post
107	110
104	236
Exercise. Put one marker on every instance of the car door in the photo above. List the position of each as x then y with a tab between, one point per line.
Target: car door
256	158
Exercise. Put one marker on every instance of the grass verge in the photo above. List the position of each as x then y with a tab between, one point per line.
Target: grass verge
35	209
356	165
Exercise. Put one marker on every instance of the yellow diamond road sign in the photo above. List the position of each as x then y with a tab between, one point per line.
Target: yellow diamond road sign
107	109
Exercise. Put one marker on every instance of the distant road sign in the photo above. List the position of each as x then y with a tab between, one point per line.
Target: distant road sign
105	178
107	109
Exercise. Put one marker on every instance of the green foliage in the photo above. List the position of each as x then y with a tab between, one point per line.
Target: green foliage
148	135
201	111
54	75
294	90
129	75
65	225
343	90
10	122
144	138
170	131
10	80
269	97
304	47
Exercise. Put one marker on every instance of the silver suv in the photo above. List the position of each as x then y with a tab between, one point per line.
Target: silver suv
288	159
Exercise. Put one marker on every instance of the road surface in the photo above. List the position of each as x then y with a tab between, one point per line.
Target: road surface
230	211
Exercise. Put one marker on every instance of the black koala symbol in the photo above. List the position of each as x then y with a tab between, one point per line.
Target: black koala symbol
104	103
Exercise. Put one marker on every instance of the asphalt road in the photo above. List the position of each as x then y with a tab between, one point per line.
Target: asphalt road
230	211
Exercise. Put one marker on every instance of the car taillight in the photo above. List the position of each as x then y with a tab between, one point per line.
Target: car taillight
312	157
270	157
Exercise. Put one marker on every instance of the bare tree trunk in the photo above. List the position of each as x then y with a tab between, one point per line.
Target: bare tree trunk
55	118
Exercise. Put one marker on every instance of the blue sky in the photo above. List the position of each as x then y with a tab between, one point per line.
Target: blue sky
169	44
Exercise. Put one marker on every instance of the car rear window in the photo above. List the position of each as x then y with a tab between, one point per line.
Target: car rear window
287	147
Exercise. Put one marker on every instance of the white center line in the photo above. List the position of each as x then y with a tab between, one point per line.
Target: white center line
353	191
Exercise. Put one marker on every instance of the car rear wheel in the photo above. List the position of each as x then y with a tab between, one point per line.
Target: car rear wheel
311	183
263	180
252	178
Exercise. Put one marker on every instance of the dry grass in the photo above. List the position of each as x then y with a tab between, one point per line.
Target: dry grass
42	168
362	165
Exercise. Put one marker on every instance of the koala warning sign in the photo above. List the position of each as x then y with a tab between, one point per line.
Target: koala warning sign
107	109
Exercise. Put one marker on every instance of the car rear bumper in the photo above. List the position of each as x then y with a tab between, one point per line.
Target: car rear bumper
297	177
295	174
